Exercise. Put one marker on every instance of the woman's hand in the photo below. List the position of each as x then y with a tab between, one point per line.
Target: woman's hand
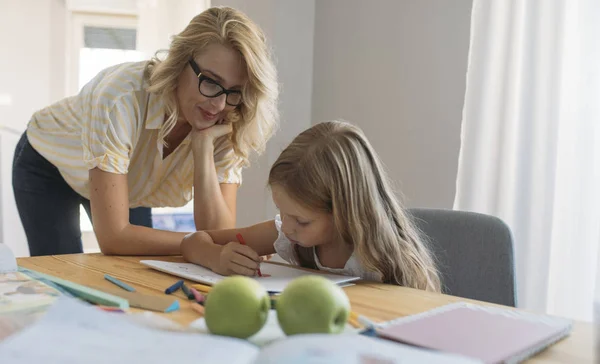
236	258
205	138
214	202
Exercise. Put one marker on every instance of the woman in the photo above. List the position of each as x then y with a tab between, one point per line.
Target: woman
141	135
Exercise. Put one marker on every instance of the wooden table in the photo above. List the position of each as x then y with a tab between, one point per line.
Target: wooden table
377	301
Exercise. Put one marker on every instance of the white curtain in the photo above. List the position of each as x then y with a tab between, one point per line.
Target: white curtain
530	143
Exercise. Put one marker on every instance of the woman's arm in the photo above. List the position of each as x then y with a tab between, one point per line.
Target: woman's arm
109	199
214	203
220	250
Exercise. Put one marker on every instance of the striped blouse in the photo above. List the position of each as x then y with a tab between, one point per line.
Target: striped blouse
113	124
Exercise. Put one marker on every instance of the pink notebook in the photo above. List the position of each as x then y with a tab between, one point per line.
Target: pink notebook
491	334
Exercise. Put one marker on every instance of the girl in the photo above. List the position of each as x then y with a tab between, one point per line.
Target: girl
337	213
143	134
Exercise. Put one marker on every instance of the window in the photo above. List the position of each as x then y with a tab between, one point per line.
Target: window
104	47
99	41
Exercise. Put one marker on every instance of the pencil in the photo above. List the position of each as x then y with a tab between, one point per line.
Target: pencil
187	292
355	318
243	242
198	308
119	283
201	288
354	323
174	287
197	295
110	309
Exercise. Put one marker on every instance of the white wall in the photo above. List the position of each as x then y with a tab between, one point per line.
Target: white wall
105	6
11	230
289	26
32	39
397	69
32	57
159	20
412	57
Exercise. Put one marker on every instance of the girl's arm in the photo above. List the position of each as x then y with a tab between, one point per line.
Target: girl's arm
220	250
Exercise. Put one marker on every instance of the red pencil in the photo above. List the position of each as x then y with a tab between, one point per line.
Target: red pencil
243	242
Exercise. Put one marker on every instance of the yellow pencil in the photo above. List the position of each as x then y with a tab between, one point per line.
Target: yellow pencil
354	323
363	321
202	288
353	320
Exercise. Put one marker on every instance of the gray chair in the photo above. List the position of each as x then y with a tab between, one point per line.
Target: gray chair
474	253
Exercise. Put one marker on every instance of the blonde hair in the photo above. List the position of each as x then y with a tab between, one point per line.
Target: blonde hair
332	167
255	120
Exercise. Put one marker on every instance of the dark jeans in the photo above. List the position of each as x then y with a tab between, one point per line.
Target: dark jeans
49	207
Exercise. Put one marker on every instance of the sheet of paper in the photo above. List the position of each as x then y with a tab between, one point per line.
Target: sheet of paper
350	349
8	262
277	276
21	293
74	332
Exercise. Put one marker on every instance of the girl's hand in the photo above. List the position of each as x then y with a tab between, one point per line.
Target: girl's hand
236	258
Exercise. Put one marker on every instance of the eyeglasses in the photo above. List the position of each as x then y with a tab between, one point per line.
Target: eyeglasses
210	88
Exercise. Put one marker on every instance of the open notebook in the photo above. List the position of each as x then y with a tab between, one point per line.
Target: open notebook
491	334
276	276
93	336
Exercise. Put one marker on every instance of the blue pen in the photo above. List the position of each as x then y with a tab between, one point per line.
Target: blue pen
174	287
119	283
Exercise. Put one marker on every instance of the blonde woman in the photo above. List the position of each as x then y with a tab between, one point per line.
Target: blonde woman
142	135
337	213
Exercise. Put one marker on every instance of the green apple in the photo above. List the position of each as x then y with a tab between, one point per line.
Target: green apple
236	306
312	304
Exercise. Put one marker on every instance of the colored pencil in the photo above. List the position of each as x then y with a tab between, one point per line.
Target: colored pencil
199	297
201	288
354	323
110	309
187	292
119	283
174	287
362	320
243	242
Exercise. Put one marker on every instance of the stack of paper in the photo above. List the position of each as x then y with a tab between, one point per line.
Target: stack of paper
73	332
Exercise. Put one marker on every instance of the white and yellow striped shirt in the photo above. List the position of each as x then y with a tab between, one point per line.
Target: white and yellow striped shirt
113	124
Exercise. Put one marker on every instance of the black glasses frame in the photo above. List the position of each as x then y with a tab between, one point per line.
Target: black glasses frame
225	91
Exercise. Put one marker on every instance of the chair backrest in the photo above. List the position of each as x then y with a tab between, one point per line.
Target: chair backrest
474	253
